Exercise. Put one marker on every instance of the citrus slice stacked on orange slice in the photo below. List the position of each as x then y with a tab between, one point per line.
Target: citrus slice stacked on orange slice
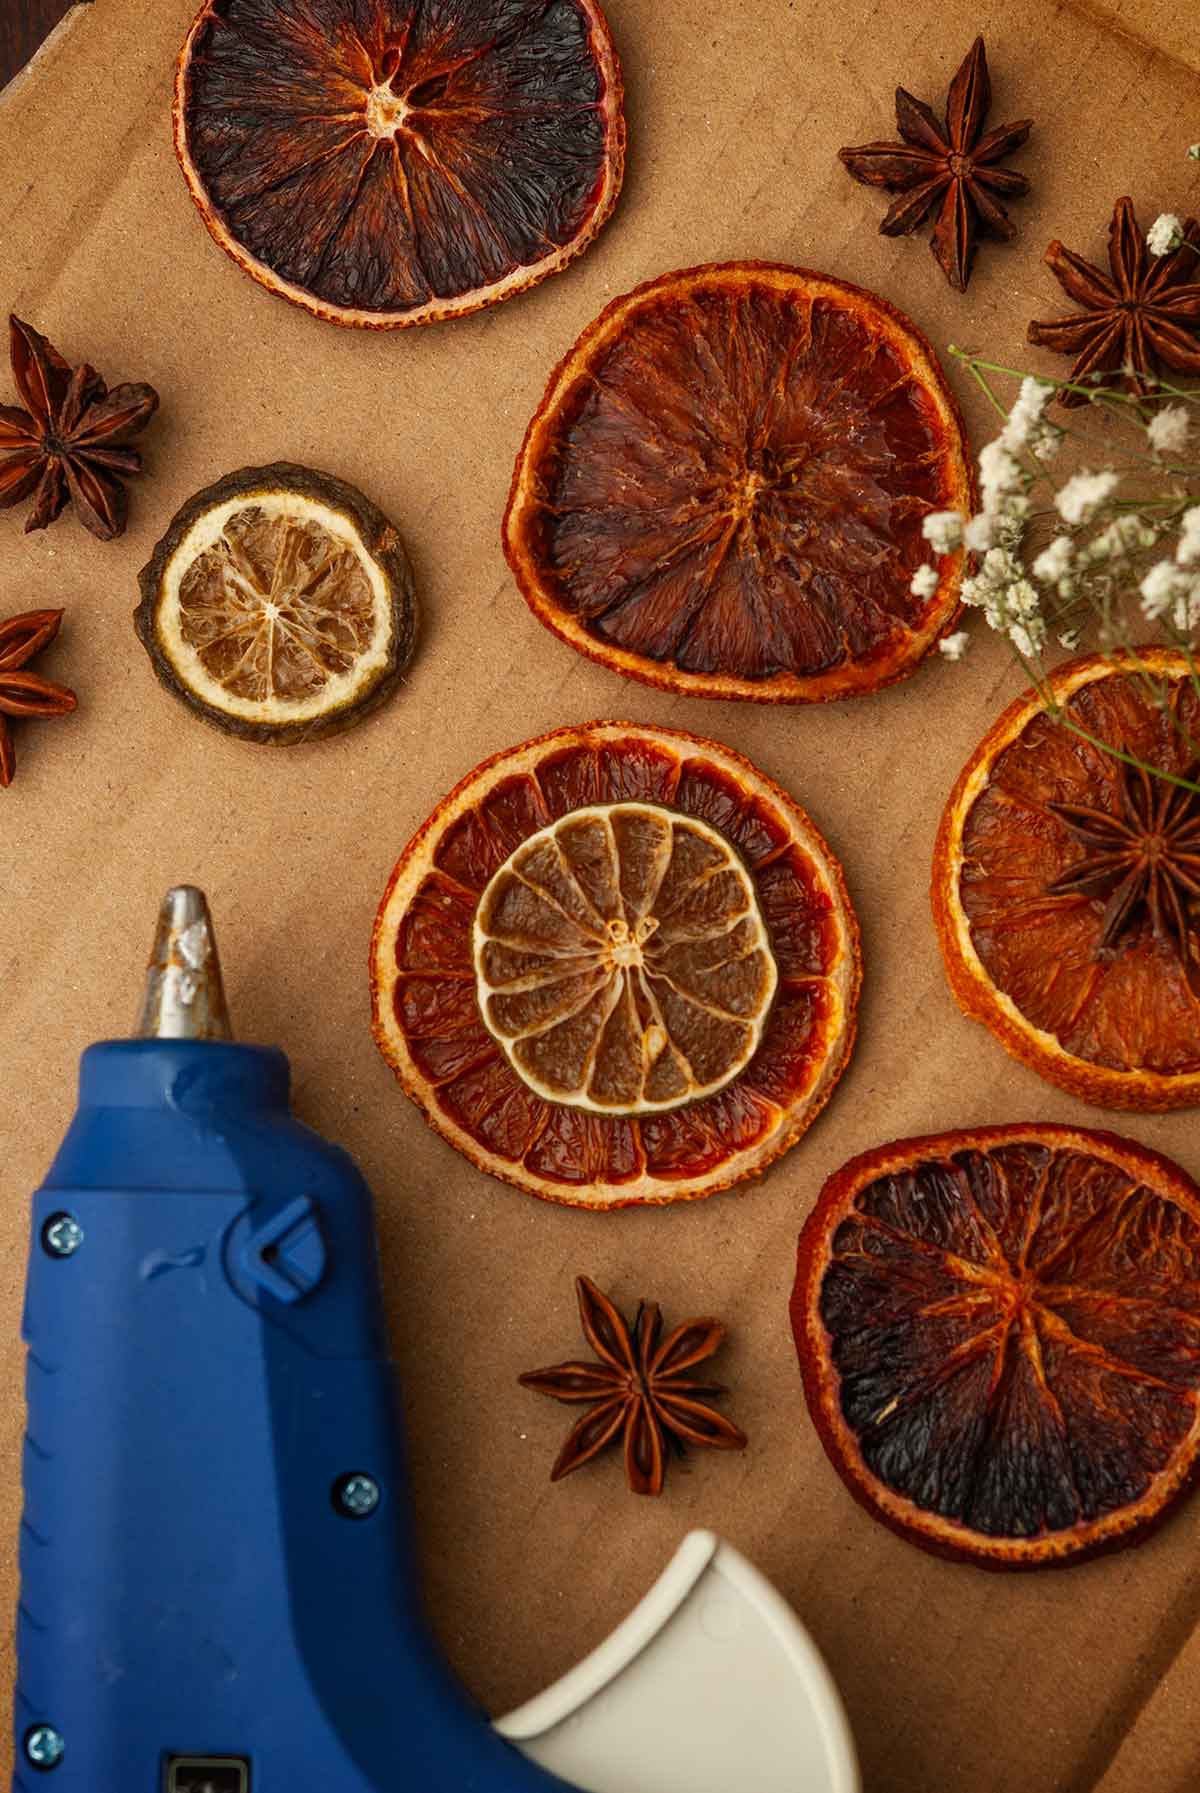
1066	882
999	1333
617	965
279	604
396	163
723	489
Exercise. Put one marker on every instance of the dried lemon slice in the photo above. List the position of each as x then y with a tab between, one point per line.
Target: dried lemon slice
622	961
279	604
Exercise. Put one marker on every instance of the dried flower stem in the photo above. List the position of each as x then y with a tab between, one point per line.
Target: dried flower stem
1119	547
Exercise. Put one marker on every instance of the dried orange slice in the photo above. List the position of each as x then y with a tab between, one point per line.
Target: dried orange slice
1066	884
723	489
279	605
999	1333
396	163
617	965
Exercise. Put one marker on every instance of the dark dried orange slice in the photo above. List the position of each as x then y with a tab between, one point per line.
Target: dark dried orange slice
279	605
617	965
391	162
999	1333
1066	883
723	489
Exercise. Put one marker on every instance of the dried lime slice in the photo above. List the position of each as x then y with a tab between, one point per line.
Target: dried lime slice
279	604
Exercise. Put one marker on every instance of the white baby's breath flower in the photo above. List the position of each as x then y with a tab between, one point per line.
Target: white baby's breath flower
943	530
1046	440
1070	639
1028	639
999	568
924	582
1187	552
953	647
1054	561
1165	234
1185	613
1163	584
1194	152
1083	495
1124	535
978	531
1168	430
999	473
1026	413
1024	601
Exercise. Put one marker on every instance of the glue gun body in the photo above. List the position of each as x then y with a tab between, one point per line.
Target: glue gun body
219	1592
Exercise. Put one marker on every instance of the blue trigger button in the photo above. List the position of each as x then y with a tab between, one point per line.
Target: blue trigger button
286	1257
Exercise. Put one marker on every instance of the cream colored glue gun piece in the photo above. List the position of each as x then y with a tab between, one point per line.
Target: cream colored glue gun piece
711	1685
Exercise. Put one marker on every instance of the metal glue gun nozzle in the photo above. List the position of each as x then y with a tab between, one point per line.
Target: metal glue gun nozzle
185	997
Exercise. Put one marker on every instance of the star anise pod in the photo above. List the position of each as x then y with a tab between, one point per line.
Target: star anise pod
26	693
1143	316
950	165
639	1391
1143	859
68	442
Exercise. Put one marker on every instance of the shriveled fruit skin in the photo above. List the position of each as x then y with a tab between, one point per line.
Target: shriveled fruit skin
723	489
999	1337
427	1018
382	541
1117	1027
396	163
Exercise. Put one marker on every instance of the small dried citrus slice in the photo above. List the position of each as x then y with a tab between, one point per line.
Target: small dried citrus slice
279	604
617	965
622	960
723	489
1066	885
999	1333
391	162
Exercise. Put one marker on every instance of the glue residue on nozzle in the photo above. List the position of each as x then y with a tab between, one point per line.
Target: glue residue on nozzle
185	996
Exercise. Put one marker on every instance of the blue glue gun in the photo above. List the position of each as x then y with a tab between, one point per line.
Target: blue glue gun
218	1592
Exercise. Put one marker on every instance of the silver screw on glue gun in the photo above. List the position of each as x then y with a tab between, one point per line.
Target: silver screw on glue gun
185	998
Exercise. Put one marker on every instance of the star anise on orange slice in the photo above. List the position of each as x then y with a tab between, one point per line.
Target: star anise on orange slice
69	444
395	162
999	1333
640	1391
951	165
1143	857
1142	315
1066	882
24	693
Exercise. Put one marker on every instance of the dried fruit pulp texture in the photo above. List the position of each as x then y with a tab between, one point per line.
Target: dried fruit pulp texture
385	154
277	606
474	1085
622	960
1125	1005
1015	1338
738	484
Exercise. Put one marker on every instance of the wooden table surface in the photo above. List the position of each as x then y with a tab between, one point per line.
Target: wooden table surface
23	25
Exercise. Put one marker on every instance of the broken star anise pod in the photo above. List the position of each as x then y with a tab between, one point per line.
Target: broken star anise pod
25	693
68	443
951	165
640	1391
1142	316
1142	859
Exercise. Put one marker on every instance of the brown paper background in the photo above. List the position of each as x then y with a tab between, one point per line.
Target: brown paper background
955	1680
